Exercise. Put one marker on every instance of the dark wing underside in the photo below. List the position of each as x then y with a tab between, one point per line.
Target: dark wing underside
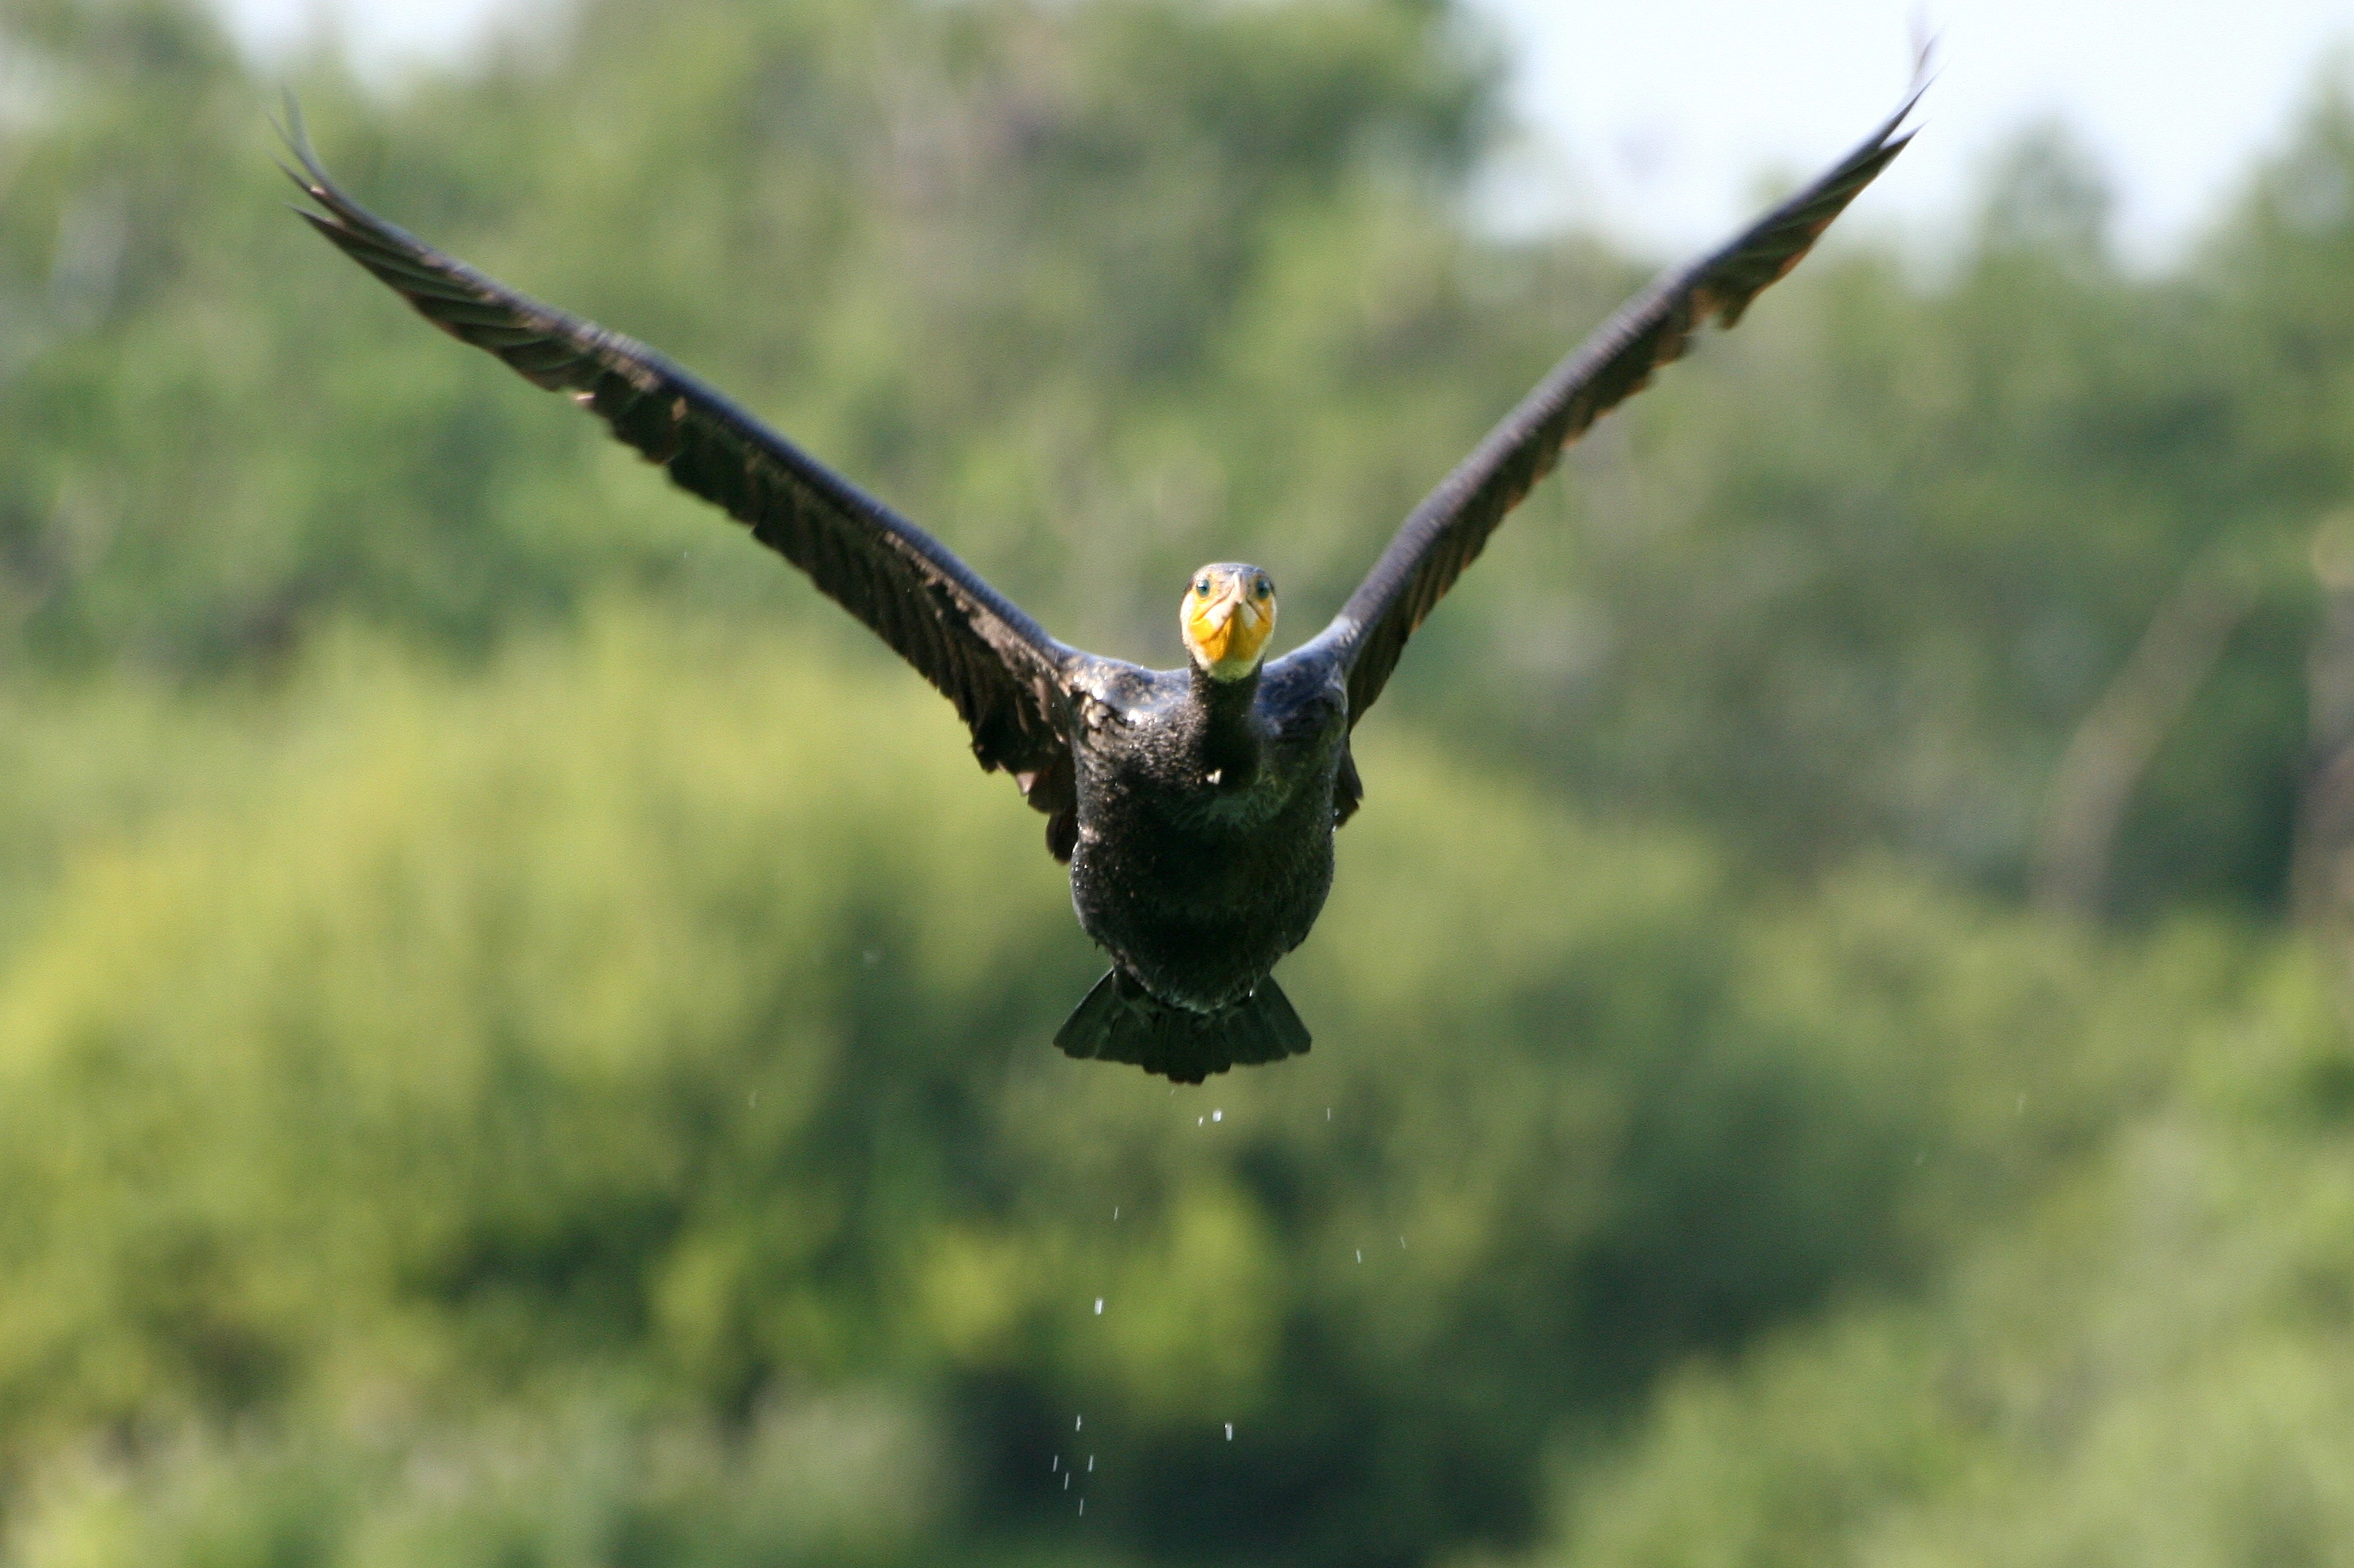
991	659
1446	533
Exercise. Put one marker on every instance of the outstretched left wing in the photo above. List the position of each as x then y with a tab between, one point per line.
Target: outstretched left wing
1004	674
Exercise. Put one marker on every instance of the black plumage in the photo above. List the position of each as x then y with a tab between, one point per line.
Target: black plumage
1196	807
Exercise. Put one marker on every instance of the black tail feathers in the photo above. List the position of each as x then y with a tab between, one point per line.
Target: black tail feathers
1120	1021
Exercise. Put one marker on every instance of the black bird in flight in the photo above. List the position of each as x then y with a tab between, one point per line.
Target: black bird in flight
1195	806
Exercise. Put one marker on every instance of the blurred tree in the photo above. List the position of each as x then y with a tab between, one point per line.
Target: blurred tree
506	1057
2153	1369
575	1034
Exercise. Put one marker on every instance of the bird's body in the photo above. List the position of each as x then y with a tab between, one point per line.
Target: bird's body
1196	805
1220	793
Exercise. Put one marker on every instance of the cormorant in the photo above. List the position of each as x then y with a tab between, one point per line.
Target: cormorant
1196	805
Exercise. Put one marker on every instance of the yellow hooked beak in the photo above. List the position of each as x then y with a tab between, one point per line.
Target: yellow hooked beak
1228	617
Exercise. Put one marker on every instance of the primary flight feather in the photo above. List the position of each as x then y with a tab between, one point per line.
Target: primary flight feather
1196	807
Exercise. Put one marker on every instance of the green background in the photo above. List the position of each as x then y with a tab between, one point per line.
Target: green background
524	1035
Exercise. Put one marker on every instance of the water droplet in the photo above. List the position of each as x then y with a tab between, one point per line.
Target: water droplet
1198	1121
2022	1107
871	957
1066	1480
1400	1244
1360	1254
1115	1211
1091	1464
1083	1505
1077	1421
753	1098
1230	1431
1221	1116
1098	1306
1328	1113
1056	1465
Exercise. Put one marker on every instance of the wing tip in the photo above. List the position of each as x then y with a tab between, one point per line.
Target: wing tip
1845	180
295	137
1926	66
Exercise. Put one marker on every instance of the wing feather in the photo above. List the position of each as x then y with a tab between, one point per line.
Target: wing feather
1003	672
1446	532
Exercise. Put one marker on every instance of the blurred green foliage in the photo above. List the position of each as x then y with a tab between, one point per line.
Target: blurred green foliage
523	1034
2150	1367
424	1073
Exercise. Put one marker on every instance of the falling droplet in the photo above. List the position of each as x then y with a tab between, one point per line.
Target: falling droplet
1083	1505
1360	1254
2022	1107
1400	1244
1230	1431
1077	1421
1098	1306
1221	1116
753	1098
1056	1465
1091	1464
1198	1121
871	957
1066	1480
1328	1113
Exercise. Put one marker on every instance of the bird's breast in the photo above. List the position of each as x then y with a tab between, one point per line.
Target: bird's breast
1197	874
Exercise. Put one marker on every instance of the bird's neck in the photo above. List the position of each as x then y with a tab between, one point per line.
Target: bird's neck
1228	739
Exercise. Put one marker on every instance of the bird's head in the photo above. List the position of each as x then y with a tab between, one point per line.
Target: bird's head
1227	615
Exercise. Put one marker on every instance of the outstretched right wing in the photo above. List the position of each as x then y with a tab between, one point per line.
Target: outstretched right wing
1000	669
1446	533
